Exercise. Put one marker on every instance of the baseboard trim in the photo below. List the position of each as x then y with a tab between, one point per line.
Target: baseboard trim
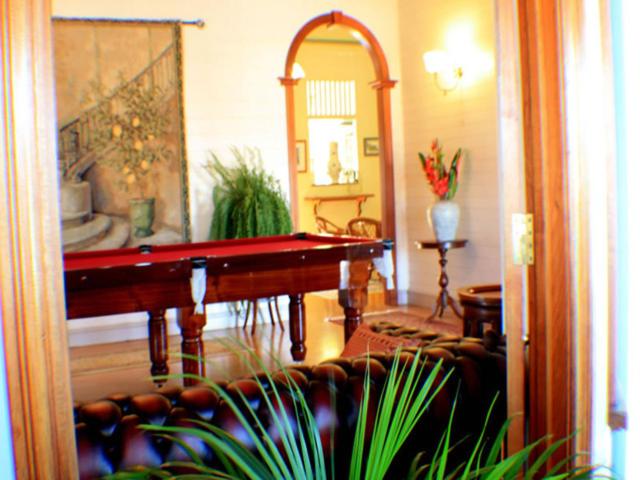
119	328
420	299
403	297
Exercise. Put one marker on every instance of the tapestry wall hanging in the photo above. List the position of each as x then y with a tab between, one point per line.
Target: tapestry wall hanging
121	150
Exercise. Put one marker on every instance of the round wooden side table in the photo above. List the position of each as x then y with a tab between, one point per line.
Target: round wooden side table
481	304
444	299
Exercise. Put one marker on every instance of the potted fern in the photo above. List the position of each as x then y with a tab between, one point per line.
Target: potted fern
248	201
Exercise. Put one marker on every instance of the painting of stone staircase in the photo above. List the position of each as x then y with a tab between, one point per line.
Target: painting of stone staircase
120	138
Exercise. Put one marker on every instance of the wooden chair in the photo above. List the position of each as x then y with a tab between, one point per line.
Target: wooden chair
364	227
327	226
252	305
369	228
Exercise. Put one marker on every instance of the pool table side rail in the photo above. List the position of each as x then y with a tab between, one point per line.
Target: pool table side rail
150	286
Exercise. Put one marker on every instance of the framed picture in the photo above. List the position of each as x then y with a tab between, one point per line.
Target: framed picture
301	156
371	146
121	148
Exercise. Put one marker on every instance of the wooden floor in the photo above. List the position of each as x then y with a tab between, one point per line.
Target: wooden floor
100	370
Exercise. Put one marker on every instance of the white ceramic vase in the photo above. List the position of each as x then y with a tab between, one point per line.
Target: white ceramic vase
443	218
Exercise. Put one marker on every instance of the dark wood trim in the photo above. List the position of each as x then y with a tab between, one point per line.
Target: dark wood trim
551	349
288	83
382	84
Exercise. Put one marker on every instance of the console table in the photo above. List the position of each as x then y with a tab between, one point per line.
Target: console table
444	299
359	198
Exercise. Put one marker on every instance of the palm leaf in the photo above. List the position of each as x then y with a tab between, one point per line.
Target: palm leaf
405	397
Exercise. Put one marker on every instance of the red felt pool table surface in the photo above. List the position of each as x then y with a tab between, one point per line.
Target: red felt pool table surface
224	248
128	280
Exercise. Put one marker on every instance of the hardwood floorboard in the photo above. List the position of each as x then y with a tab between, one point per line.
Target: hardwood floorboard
123	367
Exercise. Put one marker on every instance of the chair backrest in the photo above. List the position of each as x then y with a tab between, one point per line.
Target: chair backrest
364	227
327	226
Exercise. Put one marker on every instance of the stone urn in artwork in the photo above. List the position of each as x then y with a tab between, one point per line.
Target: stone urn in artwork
443	218
75	203
142	214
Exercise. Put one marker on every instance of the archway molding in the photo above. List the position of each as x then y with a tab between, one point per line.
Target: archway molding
382	85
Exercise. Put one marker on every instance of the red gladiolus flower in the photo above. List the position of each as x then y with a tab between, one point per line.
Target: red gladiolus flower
444	183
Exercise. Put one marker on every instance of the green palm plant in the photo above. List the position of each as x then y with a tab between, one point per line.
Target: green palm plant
485	463
248	201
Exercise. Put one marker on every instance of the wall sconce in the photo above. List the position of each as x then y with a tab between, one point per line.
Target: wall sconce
446	74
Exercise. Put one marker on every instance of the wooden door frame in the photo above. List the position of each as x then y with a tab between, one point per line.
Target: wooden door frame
539	299
512	177
31	287
382	84
558	65
551	327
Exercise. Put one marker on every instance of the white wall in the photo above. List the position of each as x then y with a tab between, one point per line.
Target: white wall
231	69
465	117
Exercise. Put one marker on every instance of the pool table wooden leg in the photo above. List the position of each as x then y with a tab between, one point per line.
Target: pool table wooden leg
191	325
353	302
158	344
354	299
297	326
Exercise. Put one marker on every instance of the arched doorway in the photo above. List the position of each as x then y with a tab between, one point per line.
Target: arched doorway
382	84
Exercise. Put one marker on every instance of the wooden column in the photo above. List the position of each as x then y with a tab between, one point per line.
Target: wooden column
289	83
387	182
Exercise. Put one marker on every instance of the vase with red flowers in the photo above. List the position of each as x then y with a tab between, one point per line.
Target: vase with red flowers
444	214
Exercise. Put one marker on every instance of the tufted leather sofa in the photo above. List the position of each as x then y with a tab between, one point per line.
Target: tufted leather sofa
108	437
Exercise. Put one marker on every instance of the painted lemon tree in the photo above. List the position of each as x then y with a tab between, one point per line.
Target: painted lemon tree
130	138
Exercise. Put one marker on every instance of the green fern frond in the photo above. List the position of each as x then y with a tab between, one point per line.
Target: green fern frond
248	201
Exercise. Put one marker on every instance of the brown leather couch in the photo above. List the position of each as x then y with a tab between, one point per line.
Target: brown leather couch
108	438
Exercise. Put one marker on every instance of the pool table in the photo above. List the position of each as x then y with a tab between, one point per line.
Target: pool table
154	278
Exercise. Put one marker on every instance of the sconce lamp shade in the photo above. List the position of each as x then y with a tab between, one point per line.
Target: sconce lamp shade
298	71
446	75
436	61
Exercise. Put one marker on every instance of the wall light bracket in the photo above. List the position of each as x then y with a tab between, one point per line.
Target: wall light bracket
446	74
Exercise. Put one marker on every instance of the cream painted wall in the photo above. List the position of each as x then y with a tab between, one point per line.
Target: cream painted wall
465	117
330	61
231	88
